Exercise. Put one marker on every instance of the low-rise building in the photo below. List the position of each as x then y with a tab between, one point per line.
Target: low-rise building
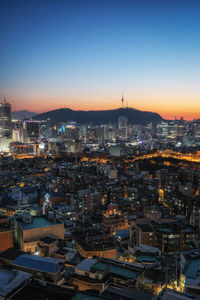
98	274
6	235
29	232
11	281
90	246
114	219
190	271
44	268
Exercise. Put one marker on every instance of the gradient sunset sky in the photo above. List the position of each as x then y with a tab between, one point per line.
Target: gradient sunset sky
83	54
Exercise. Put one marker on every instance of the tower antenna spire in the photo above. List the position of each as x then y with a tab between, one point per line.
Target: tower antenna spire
122	100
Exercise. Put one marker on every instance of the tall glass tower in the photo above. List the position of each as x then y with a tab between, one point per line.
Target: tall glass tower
5	120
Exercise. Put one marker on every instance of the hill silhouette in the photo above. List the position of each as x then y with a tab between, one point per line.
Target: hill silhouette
22	114
100	116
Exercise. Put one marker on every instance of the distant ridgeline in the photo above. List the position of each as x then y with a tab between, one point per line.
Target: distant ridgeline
22	114
100	116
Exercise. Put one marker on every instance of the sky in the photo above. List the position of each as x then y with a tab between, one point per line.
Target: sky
84	54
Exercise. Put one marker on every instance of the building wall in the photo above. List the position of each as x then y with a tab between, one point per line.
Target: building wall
111	224
147	238
35	234
101	253
84	285
54	200
30	247
56	230
40	274
6	240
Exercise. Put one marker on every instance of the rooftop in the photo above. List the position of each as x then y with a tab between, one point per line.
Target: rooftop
100	266
125	293
10	280
118	270
84	296
146	258
44	264
192	267
38	222
94	245
123	271
48	239
122	234
11	253
36	290
175	295
86	264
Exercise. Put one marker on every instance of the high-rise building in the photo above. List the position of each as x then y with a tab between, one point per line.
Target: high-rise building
5	125
32	131
123	127
5	120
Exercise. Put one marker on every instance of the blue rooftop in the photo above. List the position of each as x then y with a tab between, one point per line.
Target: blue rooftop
146	258
38	222
192	268
123	271
164	229
100	266
123	234
43	264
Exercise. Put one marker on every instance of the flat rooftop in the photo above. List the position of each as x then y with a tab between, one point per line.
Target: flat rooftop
164	229
123	272
122	234
125	293
38	222
86	264
146	258
34	262
175	295
85	296
37	291
192	268
100	266
10	280
6	276
118	270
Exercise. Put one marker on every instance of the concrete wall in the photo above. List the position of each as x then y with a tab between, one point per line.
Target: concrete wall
112	253
6	240
56	230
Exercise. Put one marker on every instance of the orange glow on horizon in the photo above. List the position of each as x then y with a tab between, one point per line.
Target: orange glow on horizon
168	110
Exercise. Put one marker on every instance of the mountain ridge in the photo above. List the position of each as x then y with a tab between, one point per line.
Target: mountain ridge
100	116
22	114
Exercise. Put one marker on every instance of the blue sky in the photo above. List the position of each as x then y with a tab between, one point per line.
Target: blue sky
82	54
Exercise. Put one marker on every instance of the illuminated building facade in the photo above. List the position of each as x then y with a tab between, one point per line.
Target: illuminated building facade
29	231
114	219
123	127
5	125
32	130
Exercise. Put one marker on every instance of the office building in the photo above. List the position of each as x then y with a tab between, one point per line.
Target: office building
32	131
5	126
123	127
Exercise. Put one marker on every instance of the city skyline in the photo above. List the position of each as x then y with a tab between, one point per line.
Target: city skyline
82	55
